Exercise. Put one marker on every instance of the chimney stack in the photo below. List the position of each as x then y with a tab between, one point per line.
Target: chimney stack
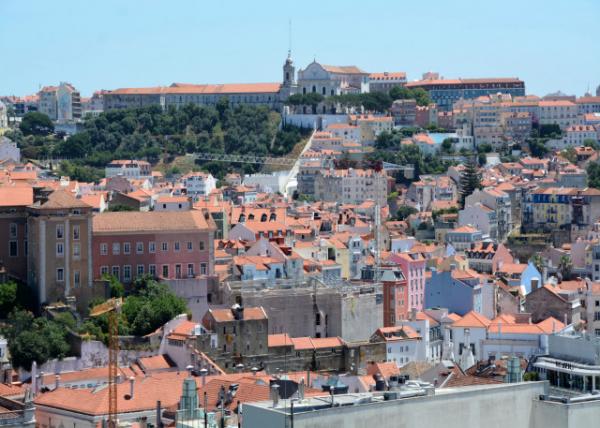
413	314
131	386
301	389
203	373
275	394
56	381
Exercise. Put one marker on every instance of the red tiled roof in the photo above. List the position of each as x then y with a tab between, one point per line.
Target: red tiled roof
472	319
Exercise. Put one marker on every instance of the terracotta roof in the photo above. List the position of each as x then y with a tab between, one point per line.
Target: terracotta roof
304	343
388	75
10	390
155	362
226	315
343	69
112	222
185	88
472	319
276	340
550	325
15	196
385	369
61	199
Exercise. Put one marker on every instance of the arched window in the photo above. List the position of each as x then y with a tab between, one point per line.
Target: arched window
242	218
287	76
324	90
332	92
251	217
263	217
303	91
314	89
273	217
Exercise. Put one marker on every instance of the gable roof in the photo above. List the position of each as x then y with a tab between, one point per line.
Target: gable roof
472	319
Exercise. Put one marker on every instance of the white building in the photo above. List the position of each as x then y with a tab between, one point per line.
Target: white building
348	133
269	183
351	186
132	169
3	116
60	103
402	344
480	216
9	150
173	203
383	82
562	113
330	80
577	134
199	183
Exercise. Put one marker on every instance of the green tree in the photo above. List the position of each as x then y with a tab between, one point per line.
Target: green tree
565	267
538	148
36	123
420	95
470	180
8	298
404	211
538	262
570	154
593	175
588	142
447	145
34	339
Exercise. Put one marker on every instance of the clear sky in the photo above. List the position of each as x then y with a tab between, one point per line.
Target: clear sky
106	44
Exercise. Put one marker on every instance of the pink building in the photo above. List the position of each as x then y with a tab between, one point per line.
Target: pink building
169	245
413	267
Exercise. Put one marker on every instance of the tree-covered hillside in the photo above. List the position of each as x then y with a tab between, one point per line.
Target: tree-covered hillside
154	134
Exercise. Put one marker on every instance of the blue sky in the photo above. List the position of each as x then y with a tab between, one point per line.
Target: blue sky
551	44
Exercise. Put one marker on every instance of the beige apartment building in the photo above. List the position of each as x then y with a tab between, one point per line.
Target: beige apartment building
60	250
351	186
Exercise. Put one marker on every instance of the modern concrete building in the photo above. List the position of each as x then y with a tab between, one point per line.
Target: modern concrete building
519	405
60	103
351	311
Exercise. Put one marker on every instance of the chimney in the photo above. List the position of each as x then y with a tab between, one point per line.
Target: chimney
275	394
301	389
203	373
40	384
159	423
308	378
131	386
413	314
57	380
254	370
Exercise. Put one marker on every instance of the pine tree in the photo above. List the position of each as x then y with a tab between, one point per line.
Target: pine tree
470	180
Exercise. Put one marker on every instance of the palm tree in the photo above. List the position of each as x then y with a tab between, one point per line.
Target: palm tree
538	262
565	267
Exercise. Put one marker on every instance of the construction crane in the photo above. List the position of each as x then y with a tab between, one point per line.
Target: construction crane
112	307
